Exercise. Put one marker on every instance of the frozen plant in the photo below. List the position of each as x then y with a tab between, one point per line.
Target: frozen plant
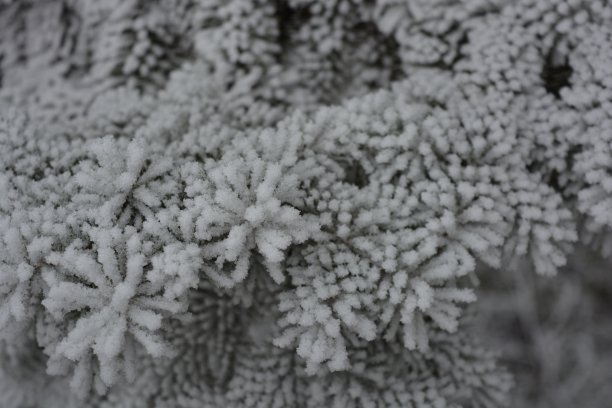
296	203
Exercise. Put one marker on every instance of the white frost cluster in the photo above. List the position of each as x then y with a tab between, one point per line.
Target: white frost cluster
247	206
121	301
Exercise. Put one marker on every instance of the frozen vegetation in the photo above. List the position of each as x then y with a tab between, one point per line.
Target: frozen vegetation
305	203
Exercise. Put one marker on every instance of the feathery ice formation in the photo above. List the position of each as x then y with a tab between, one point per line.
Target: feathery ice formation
254	203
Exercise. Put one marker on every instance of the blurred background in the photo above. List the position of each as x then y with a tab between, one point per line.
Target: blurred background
553	333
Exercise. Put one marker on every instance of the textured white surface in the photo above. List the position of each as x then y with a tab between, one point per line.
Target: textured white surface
291	203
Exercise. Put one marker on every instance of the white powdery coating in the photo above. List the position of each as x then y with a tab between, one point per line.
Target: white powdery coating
124	182
339	167
119	302
246	206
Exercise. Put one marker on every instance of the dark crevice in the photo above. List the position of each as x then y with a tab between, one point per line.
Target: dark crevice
355	174
556	74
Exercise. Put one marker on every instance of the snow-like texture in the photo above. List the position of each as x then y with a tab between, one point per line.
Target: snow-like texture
292	203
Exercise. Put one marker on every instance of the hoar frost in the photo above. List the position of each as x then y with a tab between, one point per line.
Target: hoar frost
287	203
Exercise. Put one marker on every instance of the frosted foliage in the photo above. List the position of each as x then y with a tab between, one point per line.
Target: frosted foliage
591	95
430	32
300	203
21	262
124	182
400	244
246	206
390	377
123	294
